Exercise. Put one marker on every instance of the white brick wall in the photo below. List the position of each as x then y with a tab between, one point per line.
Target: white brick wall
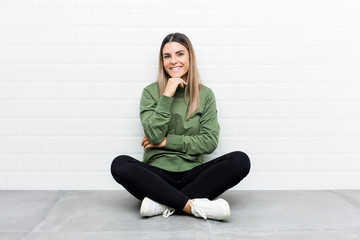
285	73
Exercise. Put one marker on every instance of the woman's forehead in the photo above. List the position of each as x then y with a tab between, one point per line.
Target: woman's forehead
173	47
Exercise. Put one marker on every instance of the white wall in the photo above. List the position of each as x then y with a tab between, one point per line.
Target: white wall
285	74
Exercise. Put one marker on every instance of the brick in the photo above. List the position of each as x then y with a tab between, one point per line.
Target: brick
118	91
73	17
349	163
260	4
76	127
57	145
102	162
9	54
274	145
17	3
10	163
308	145
35	17
85	181
158	4
40	163
147	73
57	73
10	127
38	91
54	3
90	73
349	145
244	144
20	73
21	145
279	163
93	3
19	109
56	35
9	91
39	127
255	37
76	163
109	145
8	16
15	35
92	36
124	36
111	17
2	181
118	127
107	109
74	91
264	128
23	180
56	109
350	127
74	55
38	54
125	55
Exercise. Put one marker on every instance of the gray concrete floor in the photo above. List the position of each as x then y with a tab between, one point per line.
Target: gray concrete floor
105	215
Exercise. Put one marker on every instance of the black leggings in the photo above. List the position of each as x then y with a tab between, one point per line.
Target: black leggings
174	189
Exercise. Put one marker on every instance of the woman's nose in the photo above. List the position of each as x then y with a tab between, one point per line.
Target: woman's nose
173	60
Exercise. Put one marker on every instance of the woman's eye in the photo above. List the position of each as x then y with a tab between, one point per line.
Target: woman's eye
166	56
180	54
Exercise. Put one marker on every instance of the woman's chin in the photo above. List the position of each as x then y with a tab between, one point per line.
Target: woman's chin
176	75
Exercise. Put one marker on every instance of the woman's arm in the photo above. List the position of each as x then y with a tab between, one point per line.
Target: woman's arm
155	116
207	140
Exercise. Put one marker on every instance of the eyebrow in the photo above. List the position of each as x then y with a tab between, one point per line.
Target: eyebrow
176	52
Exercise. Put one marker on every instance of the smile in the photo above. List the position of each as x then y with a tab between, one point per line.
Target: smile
175	68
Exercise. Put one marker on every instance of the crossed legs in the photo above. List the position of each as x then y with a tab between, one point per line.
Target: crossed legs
175	190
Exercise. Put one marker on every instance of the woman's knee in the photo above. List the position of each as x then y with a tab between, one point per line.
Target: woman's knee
240	162
119	165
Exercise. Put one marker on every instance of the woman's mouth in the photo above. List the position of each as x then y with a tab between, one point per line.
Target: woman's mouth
175	69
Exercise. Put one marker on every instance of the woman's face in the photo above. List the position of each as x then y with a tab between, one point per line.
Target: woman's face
176	59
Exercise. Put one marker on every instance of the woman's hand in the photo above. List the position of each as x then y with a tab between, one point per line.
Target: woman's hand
172	85
147	144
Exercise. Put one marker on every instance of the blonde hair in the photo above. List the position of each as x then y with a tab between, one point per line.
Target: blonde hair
193	77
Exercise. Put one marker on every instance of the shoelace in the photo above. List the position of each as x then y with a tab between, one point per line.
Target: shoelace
199	209
168	212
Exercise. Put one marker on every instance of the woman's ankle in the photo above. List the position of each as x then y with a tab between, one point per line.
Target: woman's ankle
187	207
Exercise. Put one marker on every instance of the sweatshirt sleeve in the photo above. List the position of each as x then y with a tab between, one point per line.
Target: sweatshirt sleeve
155	116
207	139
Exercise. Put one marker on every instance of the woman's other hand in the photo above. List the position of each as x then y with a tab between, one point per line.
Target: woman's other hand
172	85
147	144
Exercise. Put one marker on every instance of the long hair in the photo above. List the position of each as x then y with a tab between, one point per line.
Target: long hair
193	77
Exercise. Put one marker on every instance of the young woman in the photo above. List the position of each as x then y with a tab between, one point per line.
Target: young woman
180	123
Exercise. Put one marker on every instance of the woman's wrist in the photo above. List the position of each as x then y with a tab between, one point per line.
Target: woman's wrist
168	94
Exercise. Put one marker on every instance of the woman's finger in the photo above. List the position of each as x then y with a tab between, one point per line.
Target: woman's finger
143	141
183	83
148	146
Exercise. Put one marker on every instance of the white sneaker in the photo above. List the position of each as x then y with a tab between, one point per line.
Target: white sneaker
151	208
218	209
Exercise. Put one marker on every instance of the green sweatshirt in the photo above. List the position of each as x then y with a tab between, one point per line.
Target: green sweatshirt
187	140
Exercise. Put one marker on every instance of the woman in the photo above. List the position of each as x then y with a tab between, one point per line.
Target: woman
179	118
